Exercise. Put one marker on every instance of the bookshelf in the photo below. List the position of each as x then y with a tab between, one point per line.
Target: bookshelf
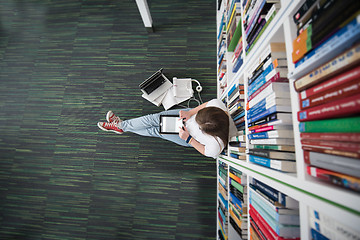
338	204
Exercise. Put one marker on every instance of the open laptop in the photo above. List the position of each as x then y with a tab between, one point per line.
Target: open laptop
155	86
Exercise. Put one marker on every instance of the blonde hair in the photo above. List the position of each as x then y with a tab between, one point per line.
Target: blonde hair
215	122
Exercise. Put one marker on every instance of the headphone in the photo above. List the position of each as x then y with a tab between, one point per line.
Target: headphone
198	87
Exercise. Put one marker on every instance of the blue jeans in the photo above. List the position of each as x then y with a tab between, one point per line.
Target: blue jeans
149	125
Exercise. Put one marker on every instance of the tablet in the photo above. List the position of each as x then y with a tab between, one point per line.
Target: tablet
170	124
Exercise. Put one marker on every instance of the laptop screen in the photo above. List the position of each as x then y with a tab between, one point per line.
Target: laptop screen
154	84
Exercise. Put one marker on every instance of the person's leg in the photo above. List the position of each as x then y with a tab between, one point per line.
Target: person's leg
149	125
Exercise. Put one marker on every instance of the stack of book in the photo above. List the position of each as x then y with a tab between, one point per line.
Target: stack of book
234	34
325	227
257	15
329	119
223	200
237	112
324	25
221	55
273	215
238	203
269	111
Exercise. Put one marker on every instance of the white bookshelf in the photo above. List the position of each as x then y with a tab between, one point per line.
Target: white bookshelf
339	203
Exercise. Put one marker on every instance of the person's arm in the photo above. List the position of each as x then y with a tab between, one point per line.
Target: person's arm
185	115
184	134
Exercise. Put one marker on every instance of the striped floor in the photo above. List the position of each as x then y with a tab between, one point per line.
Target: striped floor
63	65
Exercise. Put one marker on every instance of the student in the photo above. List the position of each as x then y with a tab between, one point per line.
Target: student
207	127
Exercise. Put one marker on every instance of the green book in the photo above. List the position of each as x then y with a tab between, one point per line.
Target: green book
342	125
236	37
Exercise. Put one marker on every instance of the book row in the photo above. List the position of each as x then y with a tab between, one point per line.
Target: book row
329	99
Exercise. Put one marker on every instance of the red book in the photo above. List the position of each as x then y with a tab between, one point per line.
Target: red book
332	145
265	229
264	226
338	92
341	137
341	108
257	230
338	80
336	178
275	78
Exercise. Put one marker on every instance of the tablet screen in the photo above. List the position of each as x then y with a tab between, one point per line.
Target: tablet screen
170	124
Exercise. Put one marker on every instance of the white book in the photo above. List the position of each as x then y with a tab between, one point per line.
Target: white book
331	227
281	89
274	141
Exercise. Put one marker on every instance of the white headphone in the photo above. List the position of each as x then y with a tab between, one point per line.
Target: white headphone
198	87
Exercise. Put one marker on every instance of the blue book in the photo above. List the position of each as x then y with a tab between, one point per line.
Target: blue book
282	165
237	203
273	109
254	19
223	201
317	235
239	116
260	80
232	89
335	44
238	64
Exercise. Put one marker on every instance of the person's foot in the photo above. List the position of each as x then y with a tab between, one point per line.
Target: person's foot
111	117
110	127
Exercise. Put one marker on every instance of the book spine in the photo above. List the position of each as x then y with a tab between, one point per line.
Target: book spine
332	151
337	125
268	89
262	224
334	82
342	91
342	137
340	108
263	114
349	34
332	145
260	80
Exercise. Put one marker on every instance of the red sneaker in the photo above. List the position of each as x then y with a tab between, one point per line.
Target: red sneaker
112	127
111	117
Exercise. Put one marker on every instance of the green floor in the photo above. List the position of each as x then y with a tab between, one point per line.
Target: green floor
63	65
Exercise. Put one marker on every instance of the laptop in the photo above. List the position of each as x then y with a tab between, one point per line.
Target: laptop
155	86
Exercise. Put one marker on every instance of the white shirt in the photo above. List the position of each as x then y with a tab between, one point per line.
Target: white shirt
213	146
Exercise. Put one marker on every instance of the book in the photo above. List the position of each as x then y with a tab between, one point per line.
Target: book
271	110
281	228
288	148
275	195
281	89
330	227
269	128
273	119
334	45
330	83
346	165
341	108
268	102
267	153
305	9
332	145
336	152
340	63
335	178
316	235
345	90
340	125
257	230
274	141
266	75
341	137
265	227
272	134
282	165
